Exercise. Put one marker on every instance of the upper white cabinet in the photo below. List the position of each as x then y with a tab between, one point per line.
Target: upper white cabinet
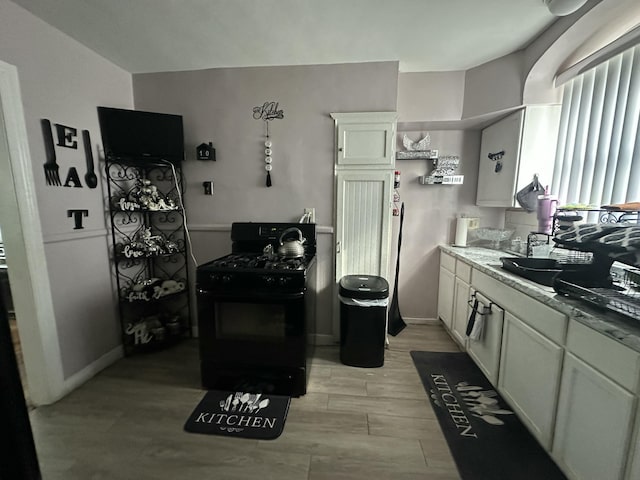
366	139
513	150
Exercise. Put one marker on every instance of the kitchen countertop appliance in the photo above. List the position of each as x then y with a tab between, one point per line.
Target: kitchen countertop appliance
255	310
602	283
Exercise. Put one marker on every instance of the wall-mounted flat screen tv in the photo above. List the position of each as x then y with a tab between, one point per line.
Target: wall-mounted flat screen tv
139	135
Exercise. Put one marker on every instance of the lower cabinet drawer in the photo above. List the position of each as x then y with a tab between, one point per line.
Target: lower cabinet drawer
542	318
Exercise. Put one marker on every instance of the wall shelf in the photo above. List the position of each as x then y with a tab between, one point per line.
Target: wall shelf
417	155
441	179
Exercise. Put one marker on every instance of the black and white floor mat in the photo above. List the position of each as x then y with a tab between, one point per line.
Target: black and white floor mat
486	438
239	414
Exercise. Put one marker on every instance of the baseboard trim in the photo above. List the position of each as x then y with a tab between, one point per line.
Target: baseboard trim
420	321
88	372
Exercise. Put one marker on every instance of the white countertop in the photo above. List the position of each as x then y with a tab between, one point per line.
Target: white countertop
617	327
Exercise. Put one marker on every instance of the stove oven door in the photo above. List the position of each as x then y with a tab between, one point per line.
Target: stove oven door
251	333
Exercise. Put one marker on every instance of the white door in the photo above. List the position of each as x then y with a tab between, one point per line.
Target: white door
461	312
593	424
368	144
446	285
529	377
363	222
486	350
365	140
498	165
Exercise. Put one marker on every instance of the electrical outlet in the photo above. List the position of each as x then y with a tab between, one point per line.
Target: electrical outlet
312	214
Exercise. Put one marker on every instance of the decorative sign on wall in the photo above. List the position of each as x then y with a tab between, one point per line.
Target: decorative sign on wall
205	151
67	137
77	217
268	111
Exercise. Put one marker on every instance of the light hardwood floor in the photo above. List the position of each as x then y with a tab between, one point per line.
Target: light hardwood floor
354	423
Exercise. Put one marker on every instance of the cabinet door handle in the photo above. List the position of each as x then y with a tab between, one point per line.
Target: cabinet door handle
338	247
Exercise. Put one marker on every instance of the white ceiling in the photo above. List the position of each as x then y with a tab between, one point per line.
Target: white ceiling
170	35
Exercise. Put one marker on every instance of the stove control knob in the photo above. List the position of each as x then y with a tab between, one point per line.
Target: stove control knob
283	280
226	278
269	280
215	277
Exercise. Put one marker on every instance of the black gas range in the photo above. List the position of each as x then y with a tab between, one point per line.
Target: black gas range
255	311
268	272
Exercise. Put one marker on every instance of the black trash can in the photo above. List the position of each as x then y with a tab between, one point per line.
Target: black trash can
363	320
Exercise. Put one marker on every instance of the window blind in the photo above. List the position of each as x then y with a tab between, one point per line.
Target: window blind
598	155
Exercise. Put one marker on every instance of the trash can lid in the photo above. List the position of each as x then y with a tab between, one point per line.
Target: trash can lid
364	287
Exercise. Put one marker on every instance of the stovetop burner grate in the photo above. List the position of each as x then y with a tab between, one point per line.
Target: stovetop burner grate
256	261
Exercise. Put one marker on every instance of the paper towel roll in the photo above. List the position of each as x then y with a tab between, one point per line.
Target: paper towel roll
461	232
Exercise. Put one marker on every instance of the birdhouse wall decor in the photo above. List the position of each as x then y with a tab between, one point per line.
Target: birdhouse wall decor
205	151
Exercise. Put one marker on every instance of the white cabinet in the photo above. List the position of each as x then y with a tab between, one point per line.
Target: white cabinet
485	351
530	367
366	140
453	296
364	167
573	387
593	423
446	286
596	406
461	311
633	464
513	150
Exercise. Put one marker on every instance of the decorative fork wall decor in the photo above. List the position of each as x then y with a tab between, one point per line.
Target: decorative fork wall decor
67	137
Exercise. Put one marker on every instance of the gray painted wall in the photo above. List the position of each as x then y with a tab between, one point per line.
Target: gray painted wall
64	81
430	96
217	106
430	217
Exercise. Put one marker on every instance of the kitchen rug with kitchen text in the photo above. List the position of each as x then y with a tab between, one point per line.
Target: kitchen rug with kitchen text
239	414
486	438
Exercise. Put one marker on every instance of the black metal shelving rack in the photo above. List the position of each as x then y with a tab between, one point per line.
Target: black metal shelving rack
152	315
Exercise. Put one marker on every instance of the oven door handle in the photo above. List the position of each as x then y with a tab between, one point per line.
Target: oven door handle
271	297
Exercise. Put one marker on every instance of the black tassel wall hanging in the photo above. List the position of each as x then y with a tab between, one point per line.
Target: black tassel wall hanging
268	111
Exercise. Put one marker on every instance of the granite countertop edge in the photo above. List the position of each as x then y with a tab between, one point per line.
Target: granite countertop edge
612	325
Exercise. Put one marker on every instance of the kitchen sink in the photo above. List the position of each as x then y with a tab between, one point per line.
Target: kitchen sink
539	270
